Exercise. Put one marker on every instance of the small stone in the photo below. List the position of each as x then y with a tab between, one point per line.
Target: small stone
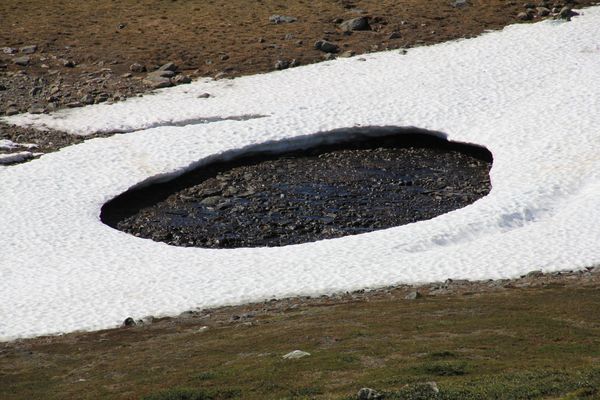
161	74
282	19
127	75
282	64
347	54
158	82
182	79
35	91
543	11
2	87
413	295
69	64
129	322
326	46
204	96
29	49
168	67
224	57
211	201
566	13
534	274
37	109
87	99
524	16
102	97
368	394
356	24
137	67
9	50
74	104
296	354
394	35
22	61
460	3
294	63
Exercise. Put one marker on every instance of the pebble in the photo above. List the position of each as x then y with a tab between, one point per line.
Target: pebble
182	79
326	46
11	111
524	16
22	61
296	354
69	64
282	64
356	24
413	295
158	82
137	67
368	394
282	19
168	67
87	99
37	109
29	49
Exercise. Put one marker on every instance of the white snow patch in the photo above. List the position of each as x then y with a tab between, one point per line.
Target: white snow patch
529	93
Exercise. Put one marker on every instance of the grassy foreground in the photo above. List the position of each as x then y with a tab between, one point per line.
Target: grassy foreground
526	343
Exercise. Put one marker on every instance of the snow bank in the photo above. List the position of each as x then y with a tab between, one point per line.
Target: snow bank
529	93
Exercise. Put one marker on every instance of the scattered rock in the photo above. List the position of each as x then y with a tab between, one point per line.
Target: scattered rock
211	201
394	35
14	158
296	354
282	64
129	322
28	49
534	274
87	99
460	3
542	11
22	61
347	54
368	394
2	87
282	19
36	109
566	13
158	82
9	50
102	97
137	67
326	46
69	64
182	79
204	96
168	67
356	24
524	16
74	104
413	295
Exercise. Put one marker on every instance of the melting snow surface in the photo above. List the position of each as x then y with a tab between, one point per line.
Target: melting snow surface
530	94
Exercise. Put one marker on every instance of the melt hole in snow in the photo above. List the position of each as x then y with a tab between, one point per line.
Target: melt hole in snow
309	190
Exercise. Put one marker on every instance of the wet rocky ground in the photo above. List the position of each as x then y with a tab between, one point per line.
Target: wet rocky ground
299	197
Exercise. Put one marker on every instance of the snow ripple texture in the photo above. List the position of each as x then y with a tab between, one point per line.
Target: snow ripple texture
529	93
